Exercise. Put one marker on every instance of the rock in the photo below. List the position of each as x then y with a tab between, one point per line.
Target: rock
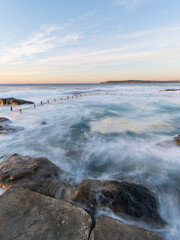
170	90
5	129
42	123
36	174
26	215
127	200
110	229
3	119
14	101
177	139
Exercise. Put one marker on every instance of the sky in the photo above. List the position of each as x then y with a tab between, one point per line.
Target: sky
89	41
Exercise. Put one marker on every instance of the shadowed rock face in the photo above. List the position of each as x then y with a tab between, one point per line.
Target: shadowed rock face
110	229
26	215
127	200
36	174
14	101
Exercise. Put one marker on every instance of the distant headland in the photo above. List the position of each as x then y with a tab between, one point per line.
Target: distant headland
138	81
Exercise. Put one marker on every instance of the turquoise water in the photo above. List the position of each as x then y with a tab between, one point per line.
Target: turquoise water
104	136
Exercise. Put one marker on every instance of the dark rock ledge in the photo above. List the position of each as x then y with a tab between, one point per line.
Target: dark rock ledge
14	101
27	211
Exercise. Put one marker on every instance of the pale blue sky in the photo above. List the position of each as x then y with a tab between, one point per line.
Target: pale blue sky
49	41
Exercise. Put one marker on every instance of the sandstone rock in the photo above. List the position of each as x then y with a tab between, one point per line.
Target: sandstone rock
26	215
177	139
110	229
14	101
5	129
36	174
127	200
3	119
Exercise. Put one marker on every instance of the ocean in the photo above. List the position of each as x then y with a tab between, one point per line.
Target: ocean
115	132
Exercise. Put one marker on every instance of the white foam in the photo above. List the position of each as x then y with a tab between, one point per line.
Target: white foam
103	136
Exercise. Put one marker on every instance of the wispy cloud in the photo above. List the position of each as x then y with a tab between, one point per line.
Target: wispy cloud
113	57
150	32
40	42
128	4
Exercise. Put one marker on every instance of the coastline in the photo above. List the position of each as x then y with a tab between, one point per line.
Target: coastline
139	82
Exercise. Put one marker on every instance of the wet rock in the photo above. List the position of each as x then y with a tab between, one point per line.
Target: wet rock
36	174
42	123
31	216
170	90
14	101
5	129
127	200
5	120
177	139
110	229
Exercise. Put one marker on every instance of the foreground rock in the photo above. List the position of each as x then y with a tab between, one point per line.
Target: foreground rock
31	216
36	174
177	139
110	229
127	200
14	101
4	120
5	129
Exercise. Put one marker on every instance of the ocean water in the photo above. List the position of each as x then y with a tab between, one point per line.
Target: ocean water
119	132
